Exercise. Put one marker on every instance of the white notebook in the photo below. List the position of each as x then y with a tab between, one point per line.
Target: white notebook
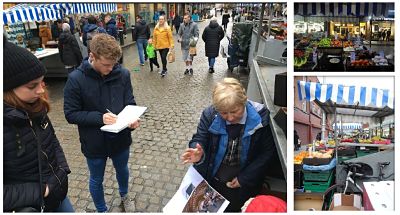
129	114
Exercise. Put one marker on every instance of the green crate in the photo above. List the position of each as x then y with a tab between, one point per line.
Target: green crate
316	186
361	153
345	158
317	175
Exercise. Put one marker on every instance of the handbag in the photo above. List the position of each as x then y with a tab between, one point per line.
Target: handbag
171	56
192	51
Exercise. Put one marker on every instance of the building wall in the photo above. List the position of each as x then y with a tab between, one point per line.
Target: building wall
307	115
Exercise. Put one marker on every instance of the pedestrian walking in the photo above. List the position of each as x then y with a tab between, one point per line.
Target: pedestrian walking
177	21
152	55
225	19
111	26
188	35
156	16
142	34
163	41
35	170
93	92
212	35
233	145
68	48
388	34
90	30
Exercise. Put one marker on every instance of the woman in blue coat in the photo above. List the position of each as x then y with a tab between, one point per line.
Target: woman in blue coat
233	144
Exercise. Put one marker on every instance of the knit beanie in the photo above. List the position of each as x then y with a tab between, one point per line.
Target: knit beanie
20	66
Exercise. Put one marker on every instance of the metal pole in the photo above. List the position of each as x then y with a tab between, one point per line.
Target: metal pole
259	30
271	15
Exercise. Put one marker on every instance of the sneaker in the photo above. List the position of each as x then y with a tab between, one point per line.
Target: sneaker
211	70
128	204
186	72
163	73
142	64
191	71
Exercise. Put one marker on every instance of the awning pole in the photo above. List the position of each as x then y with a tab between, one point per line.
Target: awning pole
259	30
271	16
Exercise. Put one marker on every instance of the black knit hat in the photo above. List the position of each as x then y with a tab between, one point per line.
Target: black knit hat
20	66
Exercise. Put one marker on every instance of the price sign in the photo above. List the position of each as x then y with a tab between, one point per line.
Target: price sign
352	56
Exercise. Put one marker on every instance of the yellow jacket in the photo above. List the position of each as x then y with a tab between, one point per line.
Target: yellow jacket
162	38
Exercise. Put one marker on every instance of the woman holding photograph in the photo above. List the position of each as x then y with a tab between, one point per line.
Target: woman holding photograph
233	144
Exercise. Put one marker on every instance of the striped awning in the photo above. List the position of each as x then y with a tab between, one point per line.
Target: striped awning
348	95
45	12
344	9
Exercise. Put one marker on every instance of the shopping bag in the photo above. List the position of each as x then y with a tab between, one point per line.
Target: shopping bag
171	56
192	51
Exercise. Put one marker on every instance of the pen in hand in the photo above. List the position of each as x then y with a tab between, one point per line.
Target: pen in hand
111	113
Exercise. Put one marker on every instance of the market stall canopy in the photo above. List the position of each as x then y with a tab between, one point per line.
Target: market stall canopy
345	9
353	101
45	12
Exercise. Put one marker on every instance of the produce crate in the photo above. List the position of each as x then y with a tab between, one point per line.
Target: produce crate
317	175
316	161
347	151
317	187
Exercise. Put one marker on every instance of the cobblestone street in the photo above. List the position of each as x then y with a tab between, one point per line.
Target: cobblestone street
174	107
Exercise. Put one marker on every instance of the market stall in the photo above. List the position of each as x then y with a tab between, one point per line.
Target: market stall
21	20
345	105
335	36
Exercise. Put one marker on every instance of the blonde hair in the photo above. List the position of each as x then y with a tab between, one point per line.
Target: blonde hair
165	23
228	94
104	45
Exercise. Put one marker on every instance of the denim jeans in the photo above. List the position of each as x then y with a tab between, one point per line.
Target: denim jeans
65	206
96	169
141	44
211	62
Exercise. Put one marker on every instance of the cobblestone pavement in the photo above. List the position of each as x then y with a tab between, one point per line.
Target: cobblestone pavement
174	103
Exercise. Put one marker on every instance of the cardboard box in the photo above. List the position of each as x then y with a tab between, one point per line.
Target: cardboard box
343	202
308	201
379	196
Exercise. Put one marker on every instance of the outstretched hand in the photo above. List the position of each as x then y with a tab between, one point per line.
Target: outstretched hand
192	155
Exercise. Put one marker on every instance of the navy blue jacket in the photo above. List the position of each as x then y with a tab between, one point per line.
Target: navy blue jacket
87	95
88	28
257	149
111	28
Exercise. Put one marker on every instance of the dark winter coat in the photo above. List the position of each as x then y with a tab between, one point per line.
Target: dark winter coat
225	18
258	146
177	21
21	186
89	28
212	35
87	96
69	51
111	28
142	30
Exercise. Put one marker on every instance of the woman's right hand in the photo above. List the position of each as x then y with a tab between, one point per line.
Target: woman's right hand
192	155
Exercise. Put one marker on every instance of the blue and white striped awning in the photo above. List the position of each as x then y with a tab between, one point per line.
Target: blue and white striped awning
348	95
45	12
344	9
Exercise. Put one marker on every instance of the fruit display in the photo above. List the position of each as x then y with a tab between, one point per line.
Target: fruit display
325	42
298	53
347	140
321	154
336	43
298	159
298	62
361	63
347	44
331	143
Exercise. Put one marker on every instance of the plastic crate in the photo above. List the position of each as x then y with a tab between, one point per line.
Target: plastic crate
317	175
361	153
345	158
317	187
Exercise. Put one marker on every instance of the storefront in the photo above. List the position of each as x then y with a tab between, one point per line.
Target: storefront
302	27
381	27
146	11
